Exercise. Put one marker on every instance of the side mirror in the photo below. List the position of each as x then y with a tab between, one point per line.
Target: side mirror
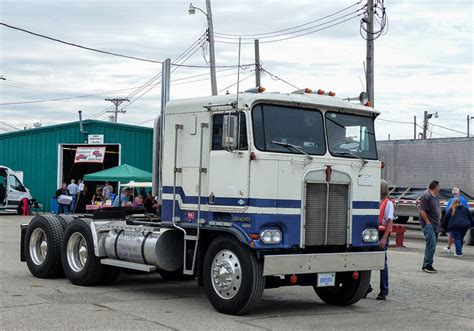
230	132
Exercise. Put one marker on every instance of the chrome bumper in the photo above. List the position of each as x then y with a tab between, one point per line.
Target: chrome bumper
327	262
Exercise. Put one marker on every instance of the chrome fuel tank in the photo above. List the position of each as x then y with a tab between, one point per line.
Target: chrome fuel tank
163	249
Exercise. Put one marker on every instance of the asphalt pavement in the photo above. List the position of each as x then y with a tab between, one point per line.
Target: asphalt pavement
417	300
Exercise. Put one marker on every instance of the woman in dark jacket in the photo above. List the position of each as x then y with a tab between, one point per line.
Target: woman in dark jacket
459	221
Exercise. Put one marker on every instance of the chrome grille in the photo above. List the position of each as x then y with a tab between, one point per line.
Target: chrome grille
316	226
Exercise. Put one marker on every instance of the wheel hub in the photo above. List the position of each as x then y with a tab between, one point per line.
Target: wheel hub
76	252
226	274
38	246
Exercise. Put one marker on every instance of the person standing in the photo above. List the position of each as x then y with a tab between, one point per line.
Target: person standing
459	221
108	189
456	195
72	188
430	215
63	207
385	227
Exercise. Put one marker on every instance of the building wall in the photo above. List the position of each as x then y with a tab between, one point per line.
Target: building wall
35	151
416	163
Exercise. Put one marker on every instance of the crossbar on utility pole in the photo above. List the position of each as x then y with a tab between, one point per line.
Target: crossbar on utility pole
370	52
257	63
117	102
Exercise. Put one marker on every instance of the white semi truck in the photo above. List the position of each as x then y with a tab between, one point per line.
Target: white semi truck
257	190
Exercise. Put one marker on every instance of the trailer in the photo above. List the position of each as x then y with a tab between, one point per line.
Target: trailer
257	190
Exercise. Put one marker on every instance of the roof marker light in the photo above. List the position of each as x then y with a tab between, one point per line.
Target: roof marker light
302	91
257	89
321	92
332	94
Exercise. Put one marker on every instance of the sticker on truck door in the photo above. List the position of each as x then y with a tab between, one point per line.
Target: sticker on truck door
326	280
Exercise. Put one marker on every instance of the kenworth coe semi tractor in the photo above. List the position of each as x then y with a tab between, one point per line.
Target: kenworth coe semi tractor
258	190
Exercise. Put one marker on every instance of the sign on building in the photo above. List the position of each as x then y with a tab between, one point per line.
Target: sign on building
90	154
95	139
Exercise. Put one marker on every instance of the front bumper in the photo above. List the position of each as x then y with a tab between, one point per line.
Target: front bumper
316	263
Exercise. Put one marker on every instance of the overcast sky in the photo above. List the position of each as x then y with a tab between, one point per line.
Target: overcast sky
424	62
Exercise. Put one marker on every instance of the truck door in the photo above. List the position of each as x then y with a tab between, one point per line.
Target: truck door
228	171
15	191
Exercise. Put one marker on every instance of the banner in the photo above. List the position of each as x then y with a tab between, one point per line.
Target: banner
90	154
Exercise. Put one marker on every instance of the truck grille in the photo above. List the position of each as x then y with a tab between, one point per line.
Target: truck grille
316	231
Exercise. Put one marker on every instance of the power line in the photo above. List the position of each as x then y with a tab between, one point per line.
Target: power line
295	36
107	52
392	121
443	127
275	77
300	30
256	35
65	98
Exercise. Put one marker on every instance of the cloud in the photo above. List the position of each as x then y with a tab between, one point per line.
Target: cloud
423	63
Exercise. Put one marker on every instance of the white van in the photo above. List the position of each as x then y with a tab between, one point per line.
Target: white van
12	190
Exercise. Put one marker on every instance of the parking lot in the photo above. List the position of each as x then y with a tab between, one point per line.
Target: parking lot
417	300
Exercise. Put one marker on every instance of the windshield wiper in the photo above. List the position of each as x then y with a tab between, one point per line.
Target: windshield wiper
341	153
298	148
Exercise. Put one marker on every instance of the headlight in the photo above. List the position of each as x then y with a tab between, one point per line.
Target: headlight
270	236
370	235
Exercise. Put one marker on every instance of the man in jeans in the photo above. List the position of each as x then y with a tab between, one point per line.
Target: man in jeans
430	215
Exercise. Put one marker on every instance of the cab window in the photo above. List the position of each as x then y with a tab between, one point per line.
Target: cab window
15	184
217	121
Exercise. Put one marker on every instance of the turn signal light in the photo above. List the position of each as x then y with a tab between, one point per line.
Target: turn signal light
320	92
382	165
254	236
253	156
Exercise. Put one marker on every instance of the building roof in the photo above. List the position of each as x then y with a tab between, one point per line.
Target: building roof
75	124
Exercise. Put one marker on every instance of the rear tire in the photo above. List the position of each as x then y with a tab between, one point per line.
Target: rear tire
80	264
42	247
232	276
347	290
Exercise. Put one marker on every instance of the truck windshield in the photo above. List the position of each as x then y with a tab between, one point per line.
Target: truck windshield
351	136
285	129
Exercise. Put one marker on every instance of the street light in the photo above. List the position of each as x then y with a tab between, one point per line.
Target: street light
210	34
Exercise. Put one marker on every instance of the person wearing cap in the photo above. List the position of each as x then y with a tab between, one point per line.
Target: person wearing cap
123	199
385	227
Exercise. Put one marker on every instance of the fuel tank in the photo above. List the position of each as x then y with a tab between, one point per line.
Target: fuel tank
163	249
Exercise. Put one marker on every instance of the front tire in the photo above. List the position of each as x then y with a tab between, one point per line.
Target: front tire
347	290
232	276
42	247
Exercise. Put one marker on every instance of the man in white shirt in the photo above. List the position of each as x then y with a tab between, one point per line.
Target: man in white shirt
385	227
73	189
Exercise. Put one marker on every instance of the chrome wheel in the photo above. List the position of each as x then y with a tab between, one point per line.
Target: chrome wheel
38	246
76	252
226	274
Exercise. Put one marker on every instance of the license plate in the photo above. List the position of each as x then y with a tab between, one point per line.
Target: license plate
326	280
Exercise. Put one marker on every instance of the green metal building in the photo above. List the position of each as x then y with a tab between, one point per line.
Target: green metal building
46	155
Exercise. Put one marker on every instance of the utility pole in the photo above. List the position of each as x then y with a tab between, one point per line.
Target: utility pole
414	127
425	124
370	52
257	63
212	54
117	102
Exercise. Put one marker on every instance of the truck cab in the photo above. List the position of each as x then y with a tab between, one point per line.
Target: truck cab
12	190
